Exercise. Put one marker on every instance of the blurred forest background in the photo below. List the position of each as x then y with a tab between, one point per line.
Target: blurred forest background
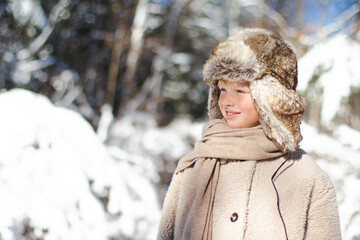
133	70
144	54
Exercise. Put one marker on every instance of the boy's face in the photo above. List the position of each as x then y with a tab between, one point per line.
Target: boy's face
236	104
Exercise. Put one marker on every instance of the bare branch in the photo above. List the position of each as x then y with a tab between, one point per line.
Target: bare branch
340	21
261	7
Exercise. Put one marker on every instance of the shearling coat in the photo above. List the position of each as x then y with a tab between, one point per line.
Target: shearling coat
245	204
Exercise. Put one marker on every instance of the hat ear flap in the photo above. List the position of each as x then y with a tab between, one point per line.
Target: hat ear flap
280	112
214	111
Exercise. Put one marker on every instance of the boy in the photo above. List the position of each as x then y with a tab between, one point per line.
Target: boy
247	177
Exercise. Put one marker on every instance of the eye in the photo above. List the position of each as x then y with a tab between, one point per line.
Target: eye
222	89
240	91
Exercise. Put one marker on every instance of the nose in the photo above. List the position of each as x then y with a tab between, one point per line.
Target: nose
228	100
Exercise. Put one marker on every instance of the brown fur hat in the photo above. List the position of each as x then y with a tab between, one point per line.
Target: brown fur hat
265	61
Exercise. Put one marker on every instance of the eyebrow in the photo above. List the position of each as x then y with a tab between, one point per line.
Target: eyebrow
220	85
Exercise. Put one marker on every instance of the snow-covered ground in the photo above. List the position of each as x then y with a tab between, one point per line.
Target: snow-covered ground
58	178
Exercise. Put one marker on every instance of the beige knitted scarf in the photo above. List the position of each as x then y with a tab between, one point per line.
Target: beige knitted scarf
219	141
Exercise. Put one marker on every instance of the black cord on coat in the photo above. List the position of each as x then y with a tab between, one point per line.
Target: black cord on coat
277	194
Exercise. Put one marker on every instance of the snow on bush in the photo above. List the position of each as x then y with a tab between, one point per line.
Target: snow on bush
340	160
331	67
58	181
138	134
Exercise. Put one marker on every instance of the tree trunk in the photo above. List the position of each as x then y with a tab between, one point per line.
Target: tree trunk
150	94
136	46
119	43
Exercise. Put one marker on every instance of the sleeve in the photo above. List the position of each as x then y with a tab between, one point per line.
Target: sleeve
168	215
323	217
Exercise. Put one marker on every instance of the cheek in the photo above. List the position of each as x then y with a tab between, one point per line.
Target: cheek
221	100
253	112
249	106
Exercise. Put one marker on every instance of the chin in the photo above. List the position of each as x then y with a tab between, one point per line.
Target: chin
241	125
234	125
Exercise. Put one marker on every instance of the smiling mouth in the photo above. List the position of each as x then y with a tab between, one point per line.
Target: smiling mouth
230	114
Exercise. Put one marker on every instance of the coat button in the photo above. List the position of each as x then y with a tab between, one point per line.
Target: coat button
234	217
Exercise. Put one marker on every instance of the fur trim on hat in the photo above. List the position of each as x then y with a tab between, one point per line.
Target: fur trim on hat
265	61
